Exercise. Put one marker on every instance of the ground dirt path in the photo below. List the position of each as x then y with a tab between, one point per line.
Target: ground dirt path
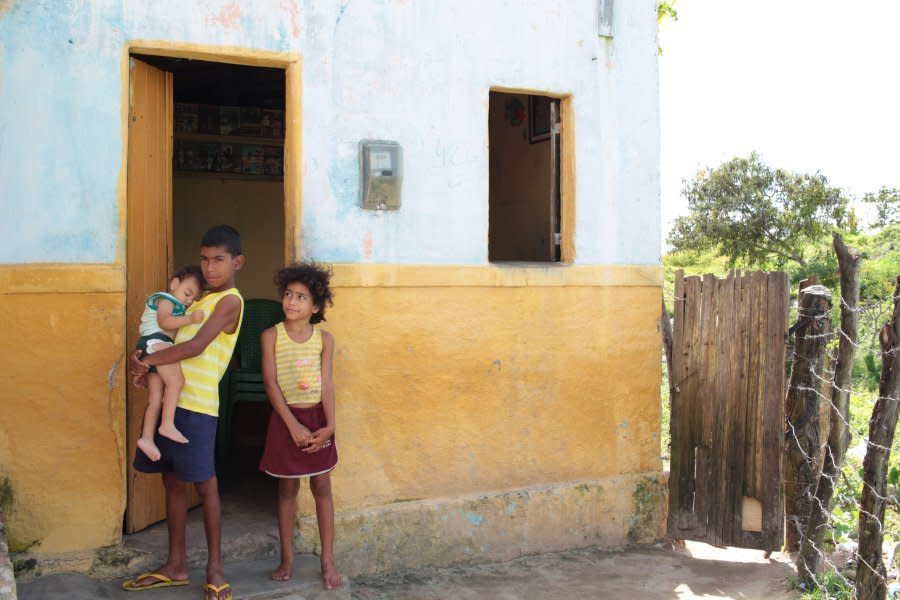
695	571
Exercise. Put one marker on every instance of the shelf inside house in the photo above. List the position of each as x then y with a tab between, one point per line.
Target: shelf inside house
226	176
228	156
229	139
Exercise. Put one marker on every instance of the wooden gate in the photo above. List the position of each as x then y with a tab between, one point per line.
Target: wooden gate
727	419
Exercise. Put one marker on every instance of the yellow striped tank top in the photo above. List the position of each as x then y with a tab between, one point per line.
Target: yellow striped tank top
298	367
202	373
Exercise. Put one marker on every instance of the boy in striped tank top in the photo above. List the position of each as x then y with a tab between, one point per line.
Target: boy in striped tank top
296	364
204	351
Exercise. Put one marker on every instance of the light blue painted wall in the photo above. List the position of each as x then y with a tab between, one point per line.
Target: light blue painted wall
414	71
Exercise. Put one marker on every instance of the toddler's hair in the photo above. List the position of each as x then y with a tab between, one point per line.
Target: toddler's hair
190	271
224	236
314	276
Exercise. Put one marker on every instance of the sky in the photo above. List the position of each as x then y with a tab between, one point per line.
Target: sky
812	86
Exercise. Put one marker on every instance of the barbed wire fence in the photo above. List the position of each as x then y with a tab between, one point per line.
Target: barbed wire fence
823	490
838	534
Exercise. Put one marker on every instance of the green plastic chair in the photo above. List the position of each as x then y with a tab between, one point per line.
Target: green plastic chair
244	382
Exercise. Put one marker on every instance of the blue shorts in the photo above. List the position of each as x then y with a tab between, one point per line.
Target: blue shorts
194	461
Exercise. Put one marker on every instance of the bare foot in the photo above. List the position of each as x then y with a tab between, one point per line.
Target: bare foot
173	434
283	572
149	448
330	577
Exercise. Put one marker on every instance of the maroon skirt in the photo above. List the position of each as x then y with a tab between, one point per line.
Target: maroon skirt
282	458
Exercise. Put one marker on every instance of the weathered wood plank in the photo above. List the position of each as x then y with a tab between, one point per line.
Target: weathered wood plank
694	322
705	480
679	435
751	489
693	404
715	406
773	473
738	421
721	510
761	391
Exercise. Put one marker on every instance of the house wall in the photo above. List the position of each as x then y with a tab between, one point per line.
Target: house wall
456	378
62	463
482	387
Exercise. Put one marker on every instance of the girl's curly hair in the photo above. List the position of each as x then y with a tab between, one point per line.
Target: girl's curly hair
314	276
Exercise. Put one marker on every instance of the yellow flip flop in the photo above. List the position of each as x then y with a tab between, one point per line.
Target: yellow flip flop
217	590
161	581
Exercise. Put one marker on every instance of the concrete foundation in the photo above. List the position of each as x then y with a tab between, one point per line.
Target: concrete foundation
494	527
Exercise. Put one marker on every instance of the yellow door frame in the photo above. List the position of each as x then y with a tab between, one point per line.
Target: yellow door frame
291	63
566	167
292	184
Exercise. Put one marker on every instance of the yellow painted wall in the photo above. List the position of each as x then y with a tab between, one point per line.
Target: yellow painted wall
449	391
519	186
62	422
255	208
474	385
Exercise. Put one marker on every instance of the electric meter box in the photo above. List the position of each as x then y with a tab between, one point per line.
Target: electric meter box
381	173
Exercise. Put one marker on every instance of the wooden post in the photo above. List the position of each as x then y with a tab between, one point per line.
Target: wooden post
809	561
802	447
870	571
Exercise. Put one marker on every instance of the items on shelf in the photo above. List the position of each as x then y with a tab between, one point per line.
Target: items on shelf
185	118
273	161
248	159
229	156
229	120
251	121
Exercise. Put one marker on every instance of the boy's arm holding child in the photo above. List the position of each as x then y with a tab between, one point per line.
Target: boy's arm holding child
223	318
168	321
320	437
299	433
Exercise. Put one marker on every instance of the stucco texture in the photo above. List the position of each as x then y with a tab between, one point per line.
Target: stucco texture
62	425
450	391
441	392
418	73
444	390
496	526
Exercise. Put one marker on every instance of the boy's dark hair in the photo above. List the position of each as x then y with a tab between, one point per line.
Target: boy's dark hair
190	271
314	276
224	236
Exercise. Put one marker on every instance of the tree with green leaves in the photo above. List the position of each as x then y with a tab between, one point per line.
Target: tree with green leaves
886	203
757	216
666	10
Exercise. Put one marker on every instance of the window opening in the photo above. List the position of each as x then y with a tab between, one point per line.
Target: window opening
524	188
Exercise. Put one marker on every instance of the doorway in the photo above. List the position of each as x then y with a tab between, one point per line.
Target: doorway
524	197
209	142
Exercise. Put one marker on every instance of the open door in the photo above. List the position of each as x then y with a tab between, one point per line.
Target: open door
524	177
148	255
554	235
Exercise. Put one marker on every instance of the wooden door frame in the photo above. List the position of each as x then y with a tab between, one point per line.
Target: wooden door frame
291	63
566	166
292	182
